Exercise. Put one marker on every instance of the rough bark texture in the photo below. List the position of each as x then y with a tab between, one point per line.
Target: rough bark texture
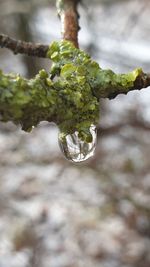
21	47
72	97
30	101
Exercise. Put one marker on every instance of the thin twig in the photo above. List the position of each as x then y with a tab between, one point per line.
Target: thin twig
67	11
21	47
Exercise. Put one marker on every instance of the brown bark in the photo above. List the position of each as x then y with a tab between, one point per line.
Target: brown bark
21	47
67	11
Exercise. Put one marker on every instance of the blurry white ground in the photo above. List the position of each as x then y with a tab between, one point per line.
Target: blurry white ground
54	213
59	214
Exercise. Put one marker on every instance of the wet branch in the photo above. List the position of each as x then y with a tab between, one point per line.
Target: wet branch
67	11
40	50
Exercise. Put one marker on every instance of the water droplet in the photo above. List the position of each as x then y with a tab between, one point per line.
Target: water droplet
75	149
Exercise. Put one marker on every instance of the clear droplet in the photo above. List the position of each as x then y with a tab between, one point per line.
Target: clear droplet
75	149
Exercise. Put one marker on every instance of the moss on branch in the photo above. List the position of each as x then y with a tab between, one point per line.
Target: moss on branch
25	101
68	95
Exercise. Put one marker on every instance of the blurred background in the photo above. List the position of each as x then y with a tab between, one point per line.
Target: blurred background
54	213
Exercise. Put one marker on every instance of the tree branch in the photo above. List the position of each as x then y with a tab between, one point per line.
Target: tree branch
142	81
21	47
109	84
30	101
67	11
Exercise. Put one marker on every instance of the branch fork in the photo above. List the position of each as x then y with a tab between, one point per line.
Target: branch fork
67	11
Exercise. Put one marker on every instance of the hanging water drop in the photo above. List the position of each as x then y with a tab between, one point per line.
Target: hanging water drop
74	148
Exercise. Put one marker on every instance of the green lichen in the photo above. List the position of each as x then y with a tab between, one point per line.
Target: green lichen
79	108
26	101
68	95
